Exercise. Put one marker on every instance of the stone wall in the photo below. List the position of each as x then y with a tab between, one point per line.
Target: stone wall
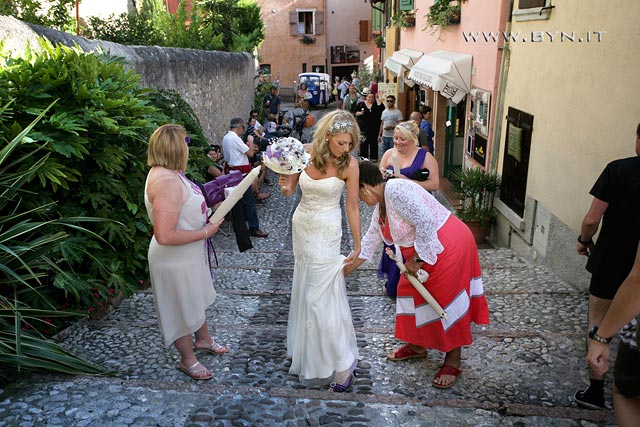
217	85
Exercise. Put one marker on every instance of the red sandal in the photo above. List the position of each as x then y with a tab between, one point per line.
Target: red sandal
446	370
406	352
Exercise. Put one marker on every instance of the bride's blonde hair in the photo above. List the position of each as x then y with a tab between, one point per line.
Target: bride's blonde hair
339	121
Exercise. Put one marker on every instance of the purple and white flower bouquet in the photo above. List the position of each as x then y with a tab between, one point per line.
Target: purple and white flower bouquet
286	156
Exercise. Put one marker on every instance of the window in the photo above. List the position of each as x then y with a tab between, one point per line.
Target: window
532	10
306	22
406	5
365	31
515	168
264	70
528	4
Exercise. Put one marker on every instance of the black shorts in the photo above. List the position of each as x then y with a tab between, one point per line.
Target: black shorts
604	287
627	371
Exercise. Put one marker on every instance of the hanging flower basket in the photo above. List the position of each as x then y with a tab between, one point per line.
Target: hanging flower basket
307	40
404	19
442	14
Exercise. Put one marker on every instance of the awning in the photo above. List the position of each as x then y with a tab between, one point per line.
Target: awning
402	60
446	72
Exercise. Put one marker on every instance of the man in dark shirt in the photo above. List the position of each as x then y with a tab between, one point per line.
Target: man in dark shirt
425	125
611	258
271	103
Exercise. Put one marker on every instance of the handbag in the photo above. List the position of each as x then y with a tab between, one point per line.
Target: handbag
213	191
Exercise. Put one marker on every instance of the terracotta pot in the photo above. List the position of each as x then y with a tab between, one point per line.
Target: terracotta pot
479	231
454	17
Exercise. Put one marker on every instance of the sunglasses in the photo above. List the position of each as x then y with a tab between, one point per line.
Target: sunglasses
187	139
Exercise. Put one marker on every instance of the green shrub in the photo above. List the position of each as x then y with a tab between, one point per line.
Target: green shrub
30	251
96	137
181	112
225	25
48	13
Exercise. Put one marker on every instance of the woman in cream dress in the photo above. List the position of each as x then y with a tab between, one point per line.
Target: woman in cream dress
178	261
321	340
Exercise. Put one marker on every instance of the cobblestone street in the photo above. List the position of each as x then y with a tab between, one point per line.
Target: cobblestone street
520	371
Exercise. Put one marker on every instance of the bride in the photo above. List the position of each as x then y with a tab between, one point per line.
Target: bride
321	340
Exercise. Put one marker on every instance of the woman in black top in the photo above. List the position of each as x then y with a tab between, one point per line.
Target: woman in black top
368	115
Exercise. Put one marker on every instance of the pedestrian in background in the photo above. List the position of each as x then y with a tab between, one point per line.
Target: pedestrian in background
179	267
390	118
271	103
351	99
612	255
423	138
425	125
368	115
374	86
236	154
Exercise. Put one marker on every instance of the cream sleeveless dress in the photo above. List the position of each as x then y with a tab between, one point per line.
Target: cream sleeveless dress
180	277
320	336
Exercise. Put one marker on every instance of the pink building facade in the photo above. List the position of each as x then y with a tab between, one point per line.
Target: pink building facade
462	62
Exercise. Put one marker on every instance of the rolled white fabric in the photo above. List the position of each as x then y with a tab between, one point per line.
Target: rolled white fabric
416	283
235	195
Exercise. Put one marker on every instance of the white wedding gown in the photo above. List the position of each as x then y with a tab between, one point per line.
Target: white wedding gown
320	336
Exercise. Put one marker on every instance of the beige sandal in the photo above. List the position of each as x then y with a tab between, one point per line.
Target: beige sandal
197	371
214	348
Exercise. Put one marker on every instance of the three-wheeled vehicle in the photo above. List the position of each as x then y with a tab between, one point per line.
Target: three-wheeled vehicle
319	85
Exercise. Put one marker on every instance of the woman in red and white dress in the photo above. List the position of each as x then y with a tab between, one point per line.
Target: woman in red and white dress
431	239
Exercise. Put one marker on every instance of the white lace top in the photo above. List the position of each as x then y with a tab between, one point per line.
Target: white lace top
414	217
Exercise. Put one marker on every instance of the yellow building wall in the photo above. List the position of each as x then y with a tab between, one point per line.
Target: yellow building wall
584	96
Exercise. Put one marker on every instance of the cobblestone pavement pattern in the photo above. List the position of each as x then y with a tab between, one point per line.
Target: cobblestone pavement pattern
520	371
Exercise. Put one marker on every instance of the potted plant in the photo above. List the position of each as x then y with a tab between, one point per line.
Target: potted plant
307	39
379	41
474	188
403	19
441	14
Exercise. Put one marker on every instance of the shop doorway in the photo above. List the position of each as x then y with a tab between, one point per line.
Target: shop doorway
454	137
343	71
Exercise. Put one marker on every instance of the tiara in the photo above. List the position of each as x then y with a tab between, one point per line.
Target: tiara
340	126
406	125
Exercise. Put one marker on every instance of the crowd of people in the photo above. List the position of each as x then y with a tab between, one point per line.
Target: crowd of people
425	248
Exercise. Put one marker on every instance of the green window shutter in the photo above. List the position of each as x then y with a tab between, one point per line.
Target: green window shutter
376	20
406	4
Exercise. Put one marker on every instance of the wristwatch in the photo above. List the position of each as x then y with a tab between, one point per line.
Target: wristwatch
593	334
584	243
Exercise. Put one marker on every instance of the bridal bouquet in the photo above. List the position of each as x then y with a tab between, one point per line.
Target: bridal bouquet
286	156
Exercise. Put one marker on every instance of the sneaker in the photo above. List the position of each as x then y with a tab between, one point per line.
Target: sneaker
590	402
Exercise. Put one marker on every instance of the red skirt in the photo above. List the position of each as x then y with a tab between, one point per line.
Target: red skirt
455	281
